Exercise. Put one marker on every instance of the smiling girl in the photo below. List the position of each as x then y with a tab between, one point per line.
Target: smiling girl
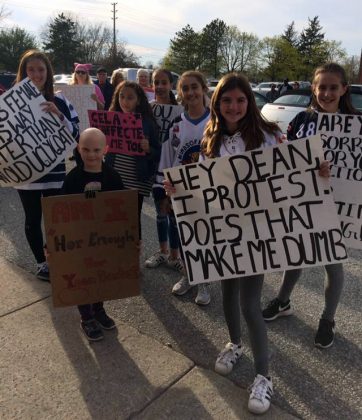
331	95
183	147
35	65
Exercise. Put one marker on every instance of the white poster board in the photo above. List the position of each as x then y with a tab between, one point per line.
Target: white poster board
342	142
32	142
263	211
80	97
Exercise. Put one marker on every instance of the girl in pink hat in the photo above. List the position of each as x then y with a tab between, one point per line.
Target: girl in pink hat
81	77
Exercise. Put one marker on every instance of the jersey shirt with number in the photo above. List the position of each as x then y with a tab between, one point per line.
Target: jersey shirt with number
303	125
181	147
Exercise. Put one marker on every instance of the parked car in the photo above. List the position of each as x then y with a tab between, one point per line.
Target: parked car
287	106
62	79
6	81
266	86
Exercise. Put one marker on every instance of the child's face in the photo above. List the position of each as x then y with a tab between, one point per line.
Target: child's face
233	107
92	148
36	70
192	91
162	86
128	99
328	90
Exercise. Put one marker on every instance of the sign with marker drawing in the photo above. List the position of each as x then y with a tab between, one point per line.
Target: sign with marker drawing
80	97
164	115
93	246
261	211
32	142
342	140
123	131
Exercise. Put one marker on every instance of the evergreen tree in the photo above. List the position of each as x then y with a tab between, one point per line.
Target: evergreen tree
212	38
311	47
184	51
62	43
13	43
291	35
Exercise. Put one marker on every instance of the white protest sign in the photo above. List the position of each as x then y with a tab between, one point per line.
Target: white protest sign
32	142
342	141
164	115
348	198
262	211
80	97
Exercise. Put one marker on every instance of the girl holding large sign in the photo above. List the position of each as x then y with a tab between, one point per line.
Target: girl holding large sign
36	65
330	95
235	126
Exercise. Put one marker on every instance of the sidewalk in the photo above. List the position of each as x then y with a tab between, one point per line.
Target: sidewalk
48	370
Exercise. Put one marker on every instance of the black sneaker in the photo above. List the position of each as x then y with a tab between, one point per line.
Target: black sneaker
325	334
277	308
91	330
42	271
104	320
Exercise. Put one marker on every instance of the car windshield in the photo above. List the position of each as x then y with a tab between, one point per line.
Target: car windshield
293	100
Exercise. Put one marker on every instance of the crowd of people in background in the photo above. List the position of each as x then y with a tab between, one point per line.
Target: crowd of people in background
230	124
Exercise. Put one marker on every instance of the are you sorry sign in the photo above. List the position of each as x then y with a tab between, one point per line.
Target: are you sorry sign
32	142
342	142
93	246
263	211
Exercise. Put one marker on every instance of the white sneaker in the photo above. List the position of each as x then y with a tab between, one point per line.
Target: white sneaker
261	392
176	264
156	259
227	358
203	294
181	287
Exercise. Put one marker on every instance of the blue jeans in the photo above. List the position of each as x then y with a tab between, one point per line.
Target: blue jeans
166	227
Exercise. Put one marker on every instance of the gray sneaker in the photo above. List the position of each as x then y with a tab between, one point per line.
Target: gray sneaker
181	287
203	294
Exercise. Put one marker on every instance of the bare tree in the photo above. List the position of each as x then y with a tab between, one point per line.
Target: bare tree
240	50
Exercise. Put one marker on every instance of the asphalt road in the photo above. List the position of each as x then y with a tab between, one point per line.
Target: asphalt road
309	383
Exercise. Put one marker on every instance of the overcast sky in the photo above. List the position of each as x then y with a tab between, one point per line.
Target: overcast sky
148	25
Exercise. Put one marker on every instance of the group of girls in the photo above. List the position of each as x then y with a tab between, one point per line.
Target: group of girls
232	125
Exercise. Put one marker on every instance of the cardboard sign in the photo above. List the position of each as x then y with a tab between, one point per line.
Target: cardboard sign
342	141
124	132
262	211
164	115
32	142
80	97
92	245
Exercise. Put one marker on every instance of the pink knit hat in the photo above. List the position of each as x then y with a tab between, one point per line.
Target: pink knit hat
83	67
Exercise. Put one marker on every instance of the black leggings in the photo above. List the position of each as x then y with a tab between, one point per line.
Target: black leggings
31	201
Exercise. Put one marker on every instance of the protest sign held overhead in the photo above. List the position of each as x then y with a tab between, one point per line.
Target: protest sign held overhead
164	115
342	142
32	142
262	211
93	246
124	132
80	97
